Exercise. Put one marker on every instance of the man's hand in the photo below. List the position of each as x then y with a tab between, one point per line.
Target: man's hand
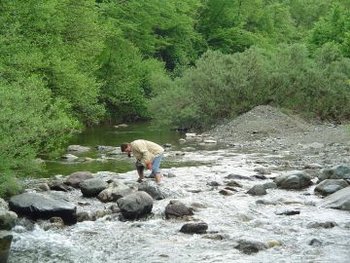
148	165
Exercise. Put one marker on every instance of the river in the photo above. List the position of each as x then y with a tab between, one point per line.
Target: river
230	218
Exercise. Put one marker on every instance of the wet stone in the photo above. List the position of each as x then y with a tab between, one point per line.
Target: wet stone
257	190
176	209
328	224
194	228
226	192
288	212
250	247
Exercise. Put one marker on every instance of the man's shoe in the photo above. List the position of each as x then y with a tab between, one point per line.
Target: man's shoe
150	176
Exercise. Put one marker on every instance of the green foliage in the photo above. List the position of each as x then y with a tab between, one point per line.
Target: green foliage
234	26
334	27
122	71
31	124
65	63
54	40
221	86
159	29
9	185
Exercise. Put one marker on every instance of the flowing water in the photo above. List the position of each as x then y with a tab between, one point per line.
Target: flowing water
230	218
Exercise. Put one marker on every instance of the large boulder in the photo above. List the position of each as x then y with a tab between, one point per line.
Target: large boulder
293	180
92	187
5	245
336	172
338	200
135	205
76	178
40	206
330	186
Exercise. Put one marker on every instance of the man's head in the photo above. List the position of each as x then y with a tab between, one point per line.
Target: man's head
126	147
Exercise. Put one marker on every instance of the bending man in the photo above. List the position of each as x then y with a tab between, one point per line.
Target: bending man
148	154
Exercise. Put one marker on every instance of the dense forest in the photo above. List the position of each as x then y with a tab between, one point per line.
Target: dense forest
66	64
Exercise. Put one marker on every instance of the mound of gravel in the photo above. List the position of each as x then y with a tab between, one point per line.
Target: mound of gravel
266	122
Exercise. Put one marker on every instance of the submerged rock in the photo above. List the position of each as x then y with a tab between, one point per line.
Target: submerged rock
78	148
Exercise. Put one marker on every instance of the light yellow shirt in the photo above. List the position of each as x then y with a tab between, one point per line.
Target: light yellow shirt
144	150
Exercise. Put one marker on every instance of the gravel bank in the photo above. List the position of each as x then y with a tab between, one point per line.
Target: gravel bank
267	129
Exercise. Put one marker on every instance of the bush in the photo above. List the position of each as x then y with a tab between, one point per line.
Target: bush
31	123
222	86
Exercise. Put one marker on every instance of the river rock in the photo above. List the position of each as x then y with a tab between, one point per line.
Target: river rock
114	191
69	157
92	187
233	183
3	204
7	219
5	245
194	228
176	209
153	189
257	190
315	242
330	186
35	206
336	172
250	246
270	185
135	205
338	200
226	192
293	180
238	177
59	185
327	224
78	148
76	178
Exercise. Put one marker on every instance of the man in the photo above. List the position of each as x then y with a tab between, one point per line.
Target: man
148	154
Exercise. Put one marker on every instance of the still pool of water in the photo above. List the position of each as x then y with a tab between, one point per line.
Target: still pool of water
111	136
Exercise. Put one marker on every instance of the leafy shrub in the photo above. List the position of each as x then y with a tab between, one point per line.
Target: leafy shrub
222	86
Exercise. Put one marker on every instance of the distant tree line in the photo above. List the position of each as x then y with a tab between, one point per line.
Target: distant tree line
68	64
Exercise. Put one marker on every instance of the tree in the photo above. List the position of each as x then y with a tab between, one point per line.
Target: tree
334	27
59	41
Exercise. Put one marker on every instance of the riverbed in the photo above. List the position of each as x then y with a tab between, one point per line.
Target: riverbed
199	175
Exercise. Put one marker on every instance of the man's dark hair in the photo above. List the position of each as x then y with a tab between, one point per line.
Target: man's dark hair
123	146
